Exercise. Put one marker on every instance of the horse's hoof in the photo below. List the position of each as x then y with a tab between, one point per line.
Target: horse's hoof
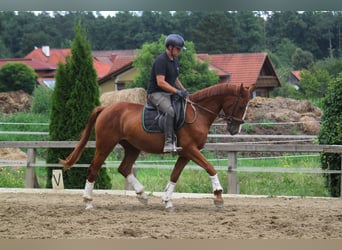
169	206
218	203
169	209
142	198
89	205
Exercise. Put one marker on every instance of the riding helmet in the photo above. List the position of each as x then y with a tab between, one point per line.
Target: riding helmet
175	40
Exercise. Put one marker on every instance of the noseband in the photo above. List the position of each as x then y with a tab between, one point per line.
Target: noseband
231	118
228	118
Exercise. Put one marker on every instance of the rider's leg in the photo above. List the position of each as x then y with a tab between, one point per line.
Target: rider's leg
168	127
162	101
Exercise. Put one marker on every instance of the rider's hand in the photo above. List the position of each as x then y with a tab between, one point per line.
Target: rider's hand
182	93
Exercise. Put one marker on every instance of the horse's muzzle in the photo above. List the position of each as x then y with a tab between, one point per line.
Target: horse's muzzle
234	125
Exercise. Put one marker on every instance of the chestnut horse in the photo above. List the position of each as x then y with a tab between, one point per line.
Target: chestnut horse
121	123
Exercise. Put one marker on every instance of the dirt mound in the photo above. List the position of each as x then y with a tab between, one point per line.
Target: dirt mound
12	154
299	117
136	95
14	101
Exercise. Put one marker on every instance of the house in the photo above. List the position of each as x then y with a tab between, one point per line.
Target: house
294	78
44	70
55	56
245	68
115	68
121	69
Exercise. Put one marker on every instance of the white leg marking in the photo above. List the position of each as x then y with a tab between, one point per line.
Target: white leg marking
168	191
167	196
215	183
88	190
88	194
138	188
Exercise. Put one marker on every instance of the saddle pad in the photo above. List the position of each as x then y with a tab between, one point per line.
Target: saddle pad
150	118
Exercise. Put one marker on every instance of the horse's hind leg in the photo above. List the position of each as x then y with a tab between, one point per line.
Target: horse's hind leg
100	156
125	168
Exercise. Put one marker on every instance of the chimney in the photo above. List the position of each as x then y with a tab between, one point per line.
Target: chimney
46	50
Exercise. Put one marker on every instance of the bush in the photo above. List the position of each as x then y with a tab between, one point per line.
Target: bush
41	100
17	76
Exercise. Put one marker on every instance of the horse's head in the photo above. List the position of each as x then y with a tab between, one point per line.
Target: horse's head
235	108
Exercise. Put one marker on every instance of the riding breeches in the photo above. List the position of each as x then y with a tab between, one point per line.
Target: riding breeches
162	101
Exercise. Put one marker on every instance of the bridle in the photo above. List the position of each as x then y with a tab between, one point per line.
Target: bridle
230	119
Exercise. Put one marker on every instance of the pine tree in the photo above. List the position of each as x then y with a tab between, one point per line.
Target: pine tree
76	94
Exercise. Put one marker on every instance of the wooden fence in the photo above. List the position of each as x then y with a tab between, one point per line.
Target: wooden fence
231	148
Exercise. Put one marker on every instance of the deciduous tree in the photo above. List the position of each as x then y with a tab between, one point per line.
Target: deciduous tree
194	75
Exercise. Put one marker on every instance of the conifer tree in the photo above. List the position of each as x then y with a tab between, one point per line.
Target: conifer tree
331	133
76	94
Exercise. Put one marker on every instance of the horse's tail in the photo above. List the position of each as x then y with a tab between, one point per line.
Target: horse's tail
78	150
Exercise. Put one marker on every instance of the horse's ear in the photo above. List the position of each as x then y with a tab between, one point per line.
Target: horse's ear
241	88
251	88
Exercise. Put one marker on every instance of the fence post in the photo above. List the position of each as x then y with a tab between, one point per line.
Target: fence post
232	174
30	178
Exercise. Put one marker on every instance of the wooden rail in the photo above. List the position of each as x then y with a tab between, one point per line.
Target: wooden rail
231	148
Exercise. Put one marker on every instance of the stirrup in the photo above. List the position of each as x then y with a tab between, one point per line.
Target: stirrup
171	148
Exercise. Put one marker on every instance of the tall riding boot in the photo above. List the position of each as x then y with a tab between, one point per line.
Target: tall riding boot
168	127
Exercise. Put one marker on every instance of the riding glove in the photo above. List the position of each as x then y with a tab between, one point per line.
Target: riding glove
182	93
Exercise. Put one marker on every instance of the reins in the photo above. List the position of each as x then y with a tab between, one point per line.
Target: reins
228	118
193	104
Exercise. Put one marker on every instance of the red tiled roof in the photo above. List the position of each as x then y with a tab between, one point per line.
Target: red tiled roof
101	68
105	62
117	59
35	64
296	74
205	57
56	55
244	68
121	62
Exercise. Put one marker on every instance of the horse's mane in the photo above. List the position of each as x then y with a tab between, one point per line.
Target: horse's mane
212	91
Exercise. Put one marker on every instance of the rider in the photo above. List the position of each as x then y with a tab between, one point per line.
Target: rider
164	82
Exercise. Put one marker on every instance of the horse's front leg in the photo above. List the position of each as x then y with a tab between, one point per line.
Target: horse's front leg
170	187
196	156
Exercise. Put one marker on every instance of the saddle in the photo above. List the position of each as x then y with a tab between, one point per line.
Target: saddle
152	118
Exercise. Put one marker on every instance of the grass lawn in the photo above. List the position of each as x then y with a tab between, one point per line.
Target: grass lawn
196	180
